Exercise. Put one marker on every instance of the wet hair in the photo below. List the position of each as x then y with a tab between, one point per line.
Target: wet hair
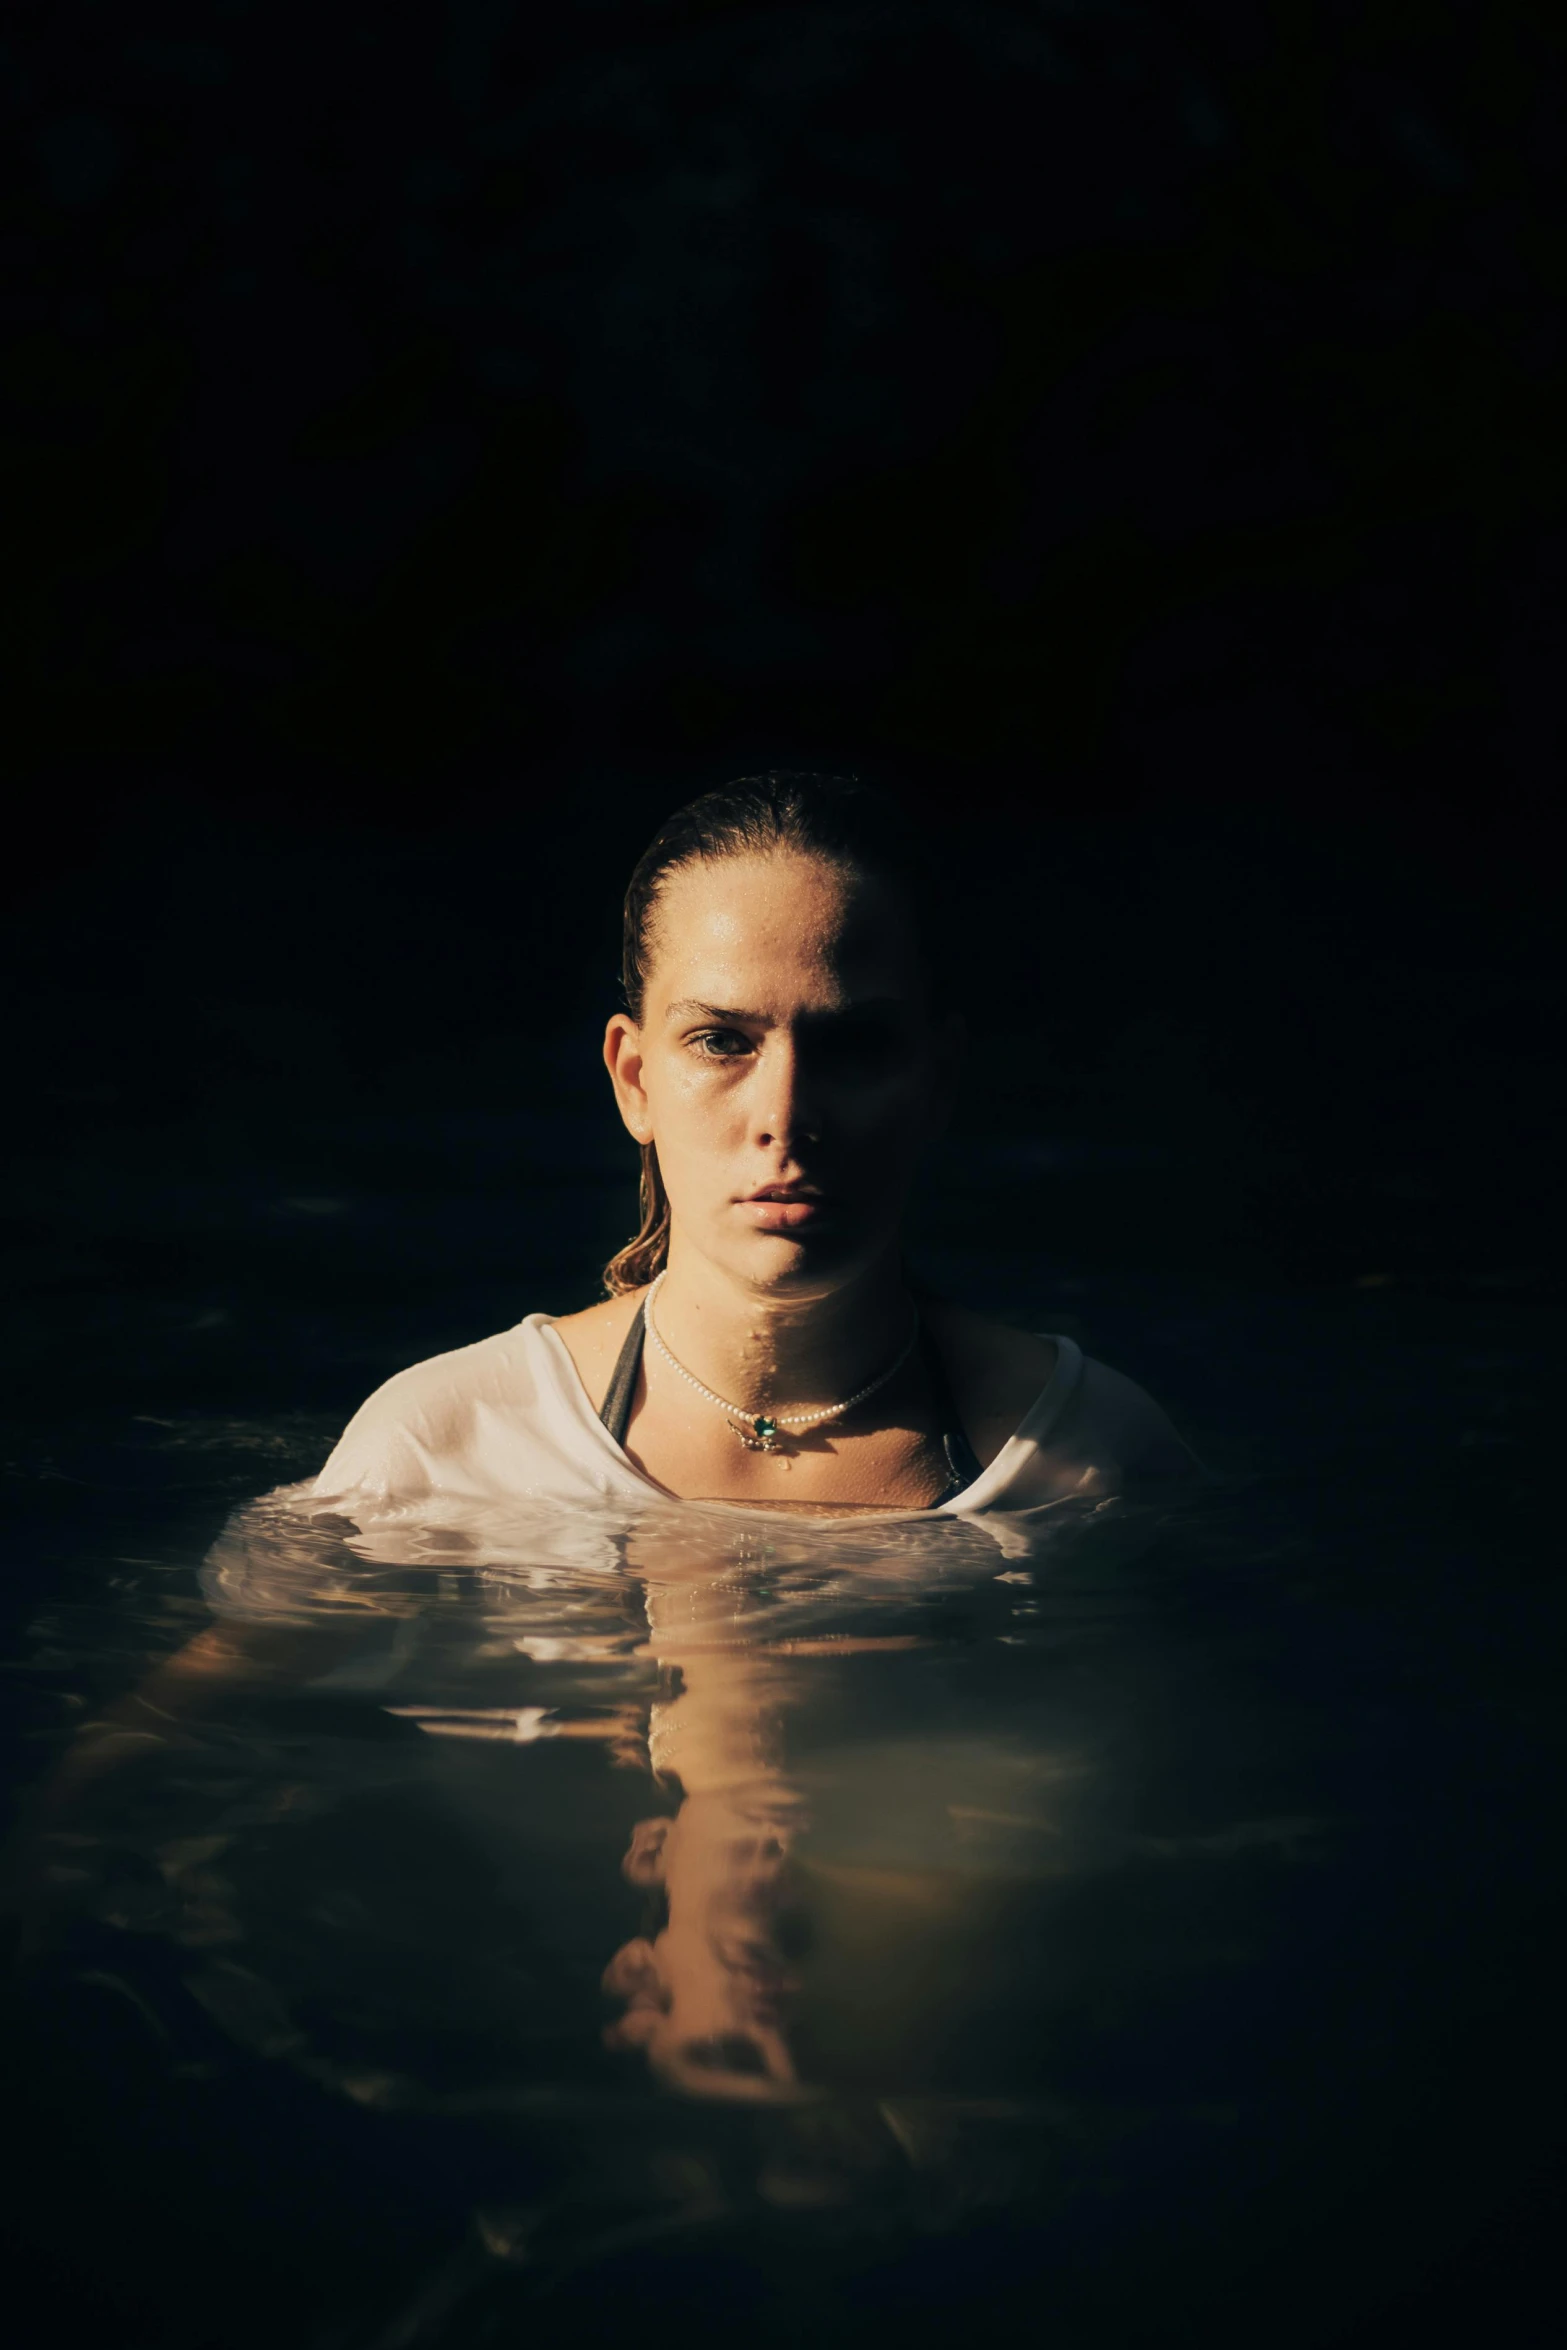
834	817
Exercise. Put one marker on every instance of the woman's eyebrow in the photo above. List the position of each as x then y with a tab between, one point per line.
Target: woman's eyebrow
689	1009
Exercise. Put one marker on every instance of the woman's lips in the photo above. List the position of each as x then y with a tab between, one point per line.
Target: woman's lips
787	1213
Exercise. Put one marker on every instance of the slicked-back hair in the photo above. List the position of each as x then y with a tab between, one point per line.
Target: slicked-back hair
832	817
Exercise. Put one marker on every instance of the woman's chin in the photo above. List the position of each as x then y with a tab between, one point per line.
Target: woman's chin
807	1254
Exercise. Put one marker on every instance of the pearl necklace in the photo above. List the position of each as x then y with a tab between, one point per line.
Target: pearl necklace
758	1432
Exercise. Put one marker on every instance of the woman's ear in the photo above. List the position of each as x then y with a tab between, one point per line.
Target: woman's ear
644	1861
623	1060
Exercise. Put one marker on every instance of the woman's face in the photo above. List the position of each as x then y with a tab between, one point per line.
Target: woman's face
786	1047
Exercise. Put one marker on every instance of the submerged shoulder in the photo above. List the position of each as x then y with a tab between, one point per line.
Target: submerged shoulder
594	1338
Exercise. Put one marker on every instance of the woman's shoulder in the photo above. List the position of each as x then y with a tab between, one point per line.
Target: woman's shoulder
1090	1420
476	1369
594	1338
997	1373
430	1404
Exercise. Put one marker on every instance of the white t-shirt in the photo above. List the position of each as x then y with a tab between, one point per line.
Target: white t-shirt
508	1419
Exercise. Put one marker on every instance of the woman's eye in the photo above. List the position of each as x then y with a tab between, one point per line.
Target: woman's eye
721	1044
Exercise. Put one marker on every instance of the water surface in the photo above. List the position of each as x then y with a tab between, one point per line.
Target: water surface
1121	1918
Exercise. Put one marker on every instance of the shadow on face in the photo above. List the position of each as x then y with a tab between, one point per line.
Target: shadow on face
786	1034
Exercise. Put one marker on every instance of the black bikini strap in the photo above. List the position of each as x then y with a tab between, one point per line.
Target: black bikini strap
615	1410
962	1459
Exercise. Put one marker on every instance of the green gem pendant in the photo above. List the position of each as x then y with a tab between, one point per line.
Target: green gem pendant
766	1430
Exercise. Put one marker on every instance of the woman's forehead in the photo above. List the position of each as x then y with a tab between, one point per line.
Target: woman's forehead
781	919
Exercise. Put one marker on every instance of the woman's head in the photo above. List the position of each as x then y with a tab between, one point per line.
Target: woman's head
782	1030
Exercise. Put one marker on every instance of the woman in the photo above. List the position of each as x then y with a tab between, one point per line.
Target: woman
784	1056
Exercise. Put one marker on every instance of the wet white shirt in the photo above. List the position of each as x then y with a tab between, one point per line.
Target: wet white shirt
508	1419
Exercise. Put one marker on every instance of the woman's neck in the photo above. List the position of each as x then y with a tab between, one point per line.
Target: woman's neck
781	1353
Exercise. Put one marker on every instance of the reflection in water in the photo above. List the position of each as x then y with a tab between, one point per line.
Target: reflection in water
708	1986
706	1996
706	1653
708	1888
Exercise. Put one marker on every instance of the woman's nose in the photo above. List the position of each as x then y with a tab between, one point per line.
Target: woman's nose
786	1111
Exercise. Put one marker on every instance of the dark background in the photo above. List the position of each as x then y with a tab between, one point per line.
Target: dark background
439	440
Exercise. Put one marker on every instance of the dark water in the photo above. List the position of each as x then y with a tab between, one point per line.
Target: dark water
1137	1923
